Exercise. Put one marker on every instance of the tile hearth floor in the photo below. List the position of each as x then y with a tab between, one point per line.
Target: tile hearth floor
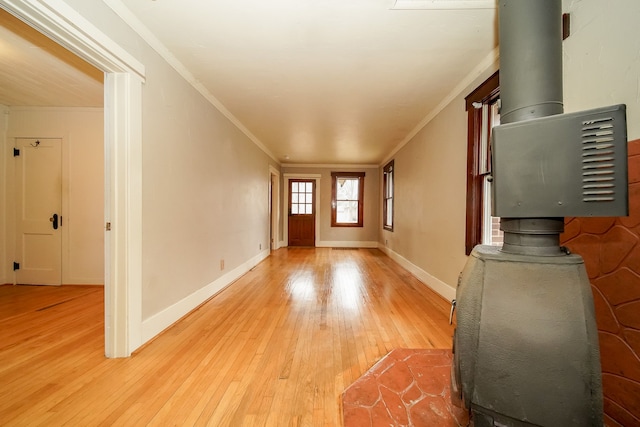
407	387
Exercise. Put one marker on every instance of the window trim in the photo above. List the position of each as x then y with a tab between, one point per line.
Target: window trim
387	170
486	93
334	179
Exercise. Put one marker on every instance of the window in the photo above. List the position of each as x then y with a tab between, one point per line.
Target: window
347	191
301	202
387	207
482	114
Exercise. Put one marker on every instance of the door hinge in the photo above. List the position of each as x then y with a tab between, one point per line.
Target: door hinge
108	226
16	266
16	152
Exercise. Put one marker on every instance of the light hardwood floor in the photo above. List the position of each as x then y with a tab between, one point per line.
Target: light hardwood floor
275	348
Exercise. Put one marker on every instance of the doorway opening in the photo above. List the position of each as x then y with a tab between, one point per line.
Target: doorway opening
123	81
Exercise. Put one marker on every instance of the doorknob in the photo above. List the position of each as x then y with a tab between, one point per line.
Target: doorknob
54	220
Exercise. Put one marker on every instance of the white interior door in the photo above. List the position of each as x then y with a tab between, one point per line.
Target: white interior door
39	207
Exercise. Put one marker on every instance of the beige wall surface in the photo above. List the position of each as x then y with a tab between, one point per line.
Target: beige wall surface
82	134
343	236
204	183
430	194
602	57
5	276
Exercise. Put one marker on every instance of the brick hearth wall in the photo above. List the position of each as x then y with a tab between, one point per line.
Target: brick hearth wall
611	251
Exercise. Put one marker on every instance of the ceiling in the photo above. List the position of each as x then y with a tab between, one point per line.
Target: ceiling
314	81
36	71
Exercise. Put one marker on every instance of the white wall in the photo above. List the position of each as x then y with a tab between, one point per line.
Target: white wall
82	134
328	236
204	186
602	57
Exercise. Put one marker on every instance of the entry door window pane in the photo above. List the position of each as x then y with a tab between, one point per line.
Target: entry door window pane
301	202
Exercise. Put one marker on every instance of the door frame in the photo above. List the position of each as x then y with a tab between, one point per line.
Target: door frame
274	207
124	76
309	176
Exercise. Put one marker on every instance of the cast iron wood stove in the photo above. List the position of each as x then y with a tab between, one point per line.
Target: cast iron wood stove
526	345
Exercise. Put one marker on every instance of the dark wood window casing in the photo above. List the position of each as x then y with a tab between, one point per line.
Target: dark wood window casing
335	177
387	202
487	93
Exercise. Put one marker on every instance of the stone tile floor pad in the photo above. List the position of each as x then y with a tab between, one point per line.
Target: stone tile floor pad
407	387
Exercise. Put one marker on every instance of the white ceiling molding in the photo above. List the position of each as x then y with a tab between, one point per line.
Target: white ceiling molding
487	62
136	25
443	4
74	30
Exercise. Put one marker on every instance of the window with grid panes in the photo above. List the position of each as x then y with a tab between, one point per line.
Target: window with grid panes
347	191
301	202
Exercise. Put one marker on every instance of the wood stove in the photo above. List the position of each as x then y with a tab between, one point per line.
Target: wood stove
526	345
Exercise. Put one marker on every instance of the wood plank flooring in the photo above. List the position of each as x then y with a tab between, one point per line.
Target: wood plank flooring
276	348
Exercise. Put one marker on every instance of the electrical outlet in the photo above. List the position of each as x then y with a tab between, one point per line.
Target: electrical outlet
260	246
386	242
221	264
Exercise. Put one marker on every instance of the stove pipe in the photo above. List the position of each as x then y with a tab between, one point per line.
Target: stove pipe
530	88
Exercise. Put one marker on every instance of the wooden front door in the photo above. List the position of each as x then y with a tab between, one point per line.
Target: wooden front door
302	212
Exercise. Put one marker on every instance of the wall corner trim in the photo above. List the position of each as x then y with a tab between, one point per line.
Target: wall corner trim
443	289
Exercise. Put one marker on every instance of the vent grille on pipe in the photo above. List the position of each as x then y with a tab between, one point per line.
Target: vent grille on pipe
598	160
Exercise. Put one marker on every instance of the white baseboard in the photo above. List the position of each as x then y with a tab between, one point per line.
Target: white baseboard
448	292
167	317
345	244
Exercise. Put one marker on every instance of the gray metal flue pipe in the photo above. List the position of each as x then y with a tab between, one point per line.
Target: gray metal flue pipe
530	87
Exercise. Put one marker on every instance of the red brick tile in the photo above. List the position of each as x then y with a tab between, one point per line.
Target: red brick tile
395	397
633	220
572	228
461	416
617	357
588	246
412	395
398	377
633	148
633	260
596	225
363	392
617	244
617	416
380	417
432	357
395	406
634	169
623	392
619	287
632	337
431	411
605	318
356	416
433	381
629	314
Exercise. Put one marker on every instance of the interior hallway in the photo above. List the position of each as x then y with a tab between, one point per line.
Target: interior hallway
277	347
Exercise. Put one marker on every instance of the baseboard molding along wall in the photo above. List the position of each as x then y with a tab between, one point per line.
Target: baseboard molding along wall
167	317
346	244
441	288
